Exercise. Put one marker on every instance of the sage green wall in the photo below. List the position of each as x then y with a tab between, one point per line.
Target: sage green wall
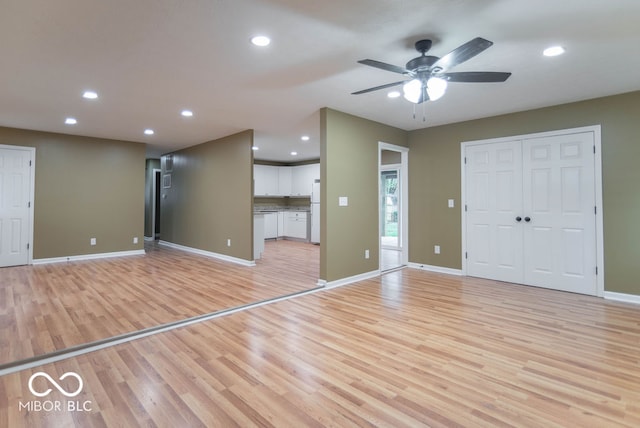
349	167
149	177
211	197
434	177
84	188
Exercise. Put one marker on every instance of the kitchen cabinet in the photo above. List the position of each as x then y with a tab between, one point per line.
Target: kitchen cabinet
270	225
265	180
295	225
279	181
302	179
281	217
284	180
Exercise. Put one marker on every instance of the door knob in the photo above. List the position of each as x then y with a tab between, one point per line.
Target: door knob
527	219
518	218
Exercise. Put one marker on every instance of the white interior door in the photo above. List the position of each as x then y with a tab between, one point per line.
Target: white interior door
530	211
560	235
15	211
494	201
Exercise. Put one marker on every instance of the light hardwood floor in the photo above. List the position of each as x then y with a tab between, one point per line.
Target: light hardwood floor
407	349
46	308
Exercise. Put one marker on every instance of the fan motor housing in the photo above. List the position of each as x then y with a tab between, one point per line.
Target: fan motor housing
421	63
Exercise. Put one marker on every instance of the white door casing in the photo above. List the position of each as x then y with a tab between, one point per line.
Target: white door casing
16	207
532	219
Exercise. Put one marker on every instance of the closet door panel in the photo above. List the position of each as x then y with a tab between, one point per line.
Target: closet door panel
494	236
559	200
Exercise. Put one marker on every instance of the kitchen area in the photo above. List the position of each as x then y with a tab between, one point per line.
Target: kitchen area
286	204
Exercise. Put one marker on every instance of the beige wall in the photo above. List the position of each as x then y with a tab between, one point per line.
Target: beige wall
389	157
349	167
434	177
211	197
84	188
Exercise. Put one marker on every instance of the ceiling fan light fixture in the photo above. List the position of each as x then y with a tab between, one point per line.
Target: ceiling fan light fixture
436	87
394	94
412	90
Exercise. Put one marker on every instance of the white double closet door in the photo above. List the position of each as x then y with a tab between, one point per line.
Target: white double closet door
530	211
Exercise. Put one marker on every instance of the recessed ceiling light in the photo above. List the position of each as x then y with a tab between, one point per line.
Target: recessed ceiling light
70	121
149	132
261	41
294	153
90	95
255	148
305	138
186	113
393	94
553	51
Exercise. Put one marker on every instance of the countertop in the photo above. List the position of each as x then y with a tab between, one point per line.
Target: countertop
275	210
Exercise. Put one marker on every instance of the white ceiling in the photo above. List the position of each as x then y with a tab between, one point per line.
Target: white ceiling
149	59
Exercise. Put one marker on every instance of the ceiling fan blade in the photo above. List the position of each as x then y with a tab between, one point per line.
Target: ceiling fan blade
388	85
475	76
384	66
462	53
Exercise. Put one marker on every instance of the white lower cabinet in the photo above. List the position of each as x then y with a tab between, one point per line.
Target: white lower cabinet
271	225
281	217
295	225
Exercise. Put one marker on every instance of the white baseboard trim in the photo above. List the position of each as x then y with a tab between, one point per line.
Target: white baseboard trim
89	257
622	297
149	238
210	254
349	280
438	269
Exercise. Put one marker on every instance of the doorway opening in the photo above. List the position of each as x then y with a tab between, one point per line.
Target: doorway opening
393	197
155	216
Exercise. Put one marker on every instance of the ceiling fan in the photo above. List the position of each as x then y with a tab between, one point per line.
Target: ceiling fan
428	75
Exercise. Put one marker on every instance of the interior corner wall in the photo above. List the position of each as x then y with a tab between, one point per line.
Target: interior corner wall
434	177
84	188
210	198
349	168
149	175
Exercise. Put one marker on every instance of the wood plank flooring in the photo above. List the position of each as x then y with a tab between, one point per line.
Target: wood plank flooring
46	308
407	349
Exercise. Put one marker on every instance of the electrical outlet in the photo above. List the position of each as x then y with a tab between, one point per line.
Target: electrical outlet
366	254
135	239
228	242
451	203
93	241
436	249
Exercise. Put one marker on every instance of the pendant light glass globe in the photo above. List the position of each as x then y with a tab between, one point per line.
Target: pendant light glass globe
436	88
412	91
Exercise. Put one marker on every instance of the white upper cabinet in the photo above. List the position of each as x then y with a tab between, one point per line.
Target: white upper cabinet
302	179
265	180
285	180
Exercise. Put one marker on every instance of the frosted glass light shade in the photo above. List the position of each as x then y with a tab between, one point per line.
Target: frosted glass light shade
412	91
436	88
